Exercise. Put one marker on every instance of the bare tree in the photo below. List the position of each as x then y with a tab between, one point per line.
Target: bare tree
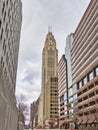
22	106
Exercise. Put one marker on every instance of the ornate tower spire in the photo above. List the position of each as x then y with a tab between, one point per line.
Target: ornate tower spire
49	28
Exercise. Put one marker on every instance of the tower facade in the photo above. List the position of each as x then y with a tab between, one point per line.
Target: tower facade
49	89
69	41
10	27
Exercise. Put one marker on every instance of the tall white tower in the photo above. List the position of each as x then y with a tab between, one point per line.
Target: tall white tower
49	89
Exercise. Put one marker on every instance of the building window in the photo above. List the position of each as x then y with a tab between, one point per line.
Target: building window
84	80
1	34
85	105
92	103
70	92
85	90
79	85
75	97
96	71
81	114
0	23
65	96
79	93
96	83
4	47
65	107
91	86
90	76
1	60
7	2
96	92
65	112
3	7
75	103
85	98
86	113
62	98
74	89
4	16
70	99
80	100
80	107
91	95
93	111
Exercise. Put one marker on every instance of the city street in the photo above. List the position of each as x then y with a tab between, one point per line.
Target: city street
48	73
46	129
27	129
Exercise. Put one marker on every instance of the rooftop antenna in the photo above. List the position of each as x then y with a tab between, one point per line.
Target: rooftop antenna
49	28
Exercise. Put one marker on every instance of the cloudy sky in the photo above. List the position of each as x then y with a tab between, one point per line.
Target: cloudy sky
63	16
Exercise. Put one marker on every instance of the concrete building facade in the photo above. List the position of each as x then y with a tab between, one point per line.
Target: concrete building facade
84	56
34	114
66	90
72	89
62	91
49	81
21	121
10	27
82	70
40	111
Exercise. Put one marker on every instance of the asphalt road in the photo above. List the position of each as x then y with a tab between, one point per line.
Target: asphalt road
27	129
